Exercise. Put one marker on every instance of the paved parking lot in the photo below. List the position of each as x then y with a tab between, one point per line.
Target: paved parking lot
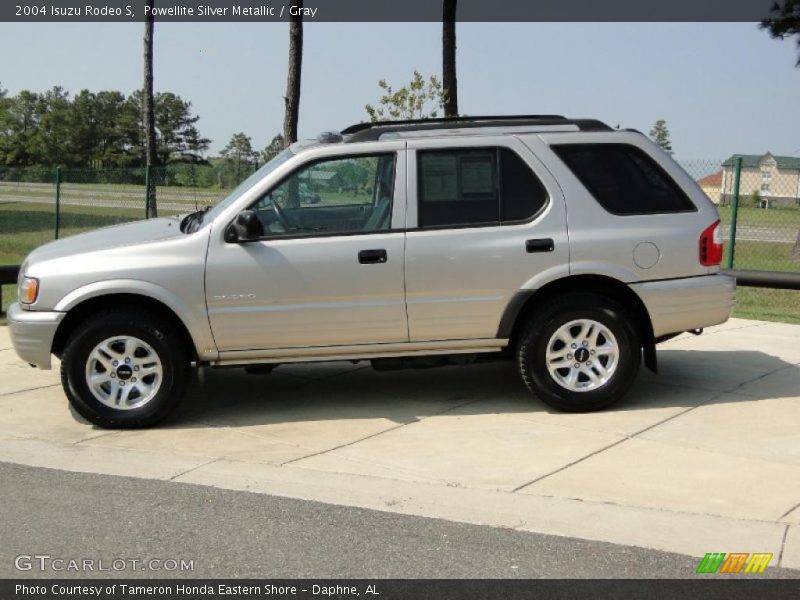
704	456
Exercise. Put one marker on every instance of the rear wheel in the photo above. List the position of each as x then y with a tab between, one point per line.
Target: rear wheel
580	354
125	369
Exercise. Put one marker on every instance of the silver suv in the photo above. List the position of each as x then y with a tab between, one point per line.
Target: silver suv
560	243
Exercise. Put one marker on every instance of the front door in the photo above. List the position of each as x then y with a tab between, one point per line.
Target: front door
328	269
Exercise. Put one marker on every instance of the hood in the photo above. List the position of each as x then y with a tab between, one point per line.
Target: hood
116	236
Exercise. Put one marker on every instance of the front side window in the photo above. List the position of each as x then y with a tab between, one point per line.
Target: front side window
248	183
341	195
476	186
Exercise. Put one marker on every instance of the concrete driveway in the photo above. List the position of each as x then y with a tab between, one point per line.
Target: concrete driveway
703	457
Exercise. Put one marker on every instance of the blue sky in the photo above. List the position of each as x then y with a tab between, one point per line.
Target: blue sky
722	87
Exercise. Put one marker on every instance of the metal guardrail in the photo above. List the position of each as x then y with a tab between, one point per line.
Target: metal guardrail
8	276
765	279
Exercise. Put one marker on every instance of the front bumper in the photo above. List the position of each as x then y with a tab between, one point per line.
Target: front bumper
32	333
678	305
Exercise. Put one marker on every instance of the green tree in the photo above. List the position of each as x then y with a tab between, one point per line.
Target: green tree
111	140
83	127
107	130
3	98
5	123
22	122
100	130
660	135
131	124
420	99
51	137
784	22
177	136
239	151
273	148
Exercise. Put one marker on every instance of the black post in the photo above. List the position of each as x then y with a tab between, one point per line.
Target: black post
58	200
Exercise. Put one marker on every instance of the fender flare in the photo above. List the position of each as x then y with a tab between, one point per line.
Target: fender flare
194	319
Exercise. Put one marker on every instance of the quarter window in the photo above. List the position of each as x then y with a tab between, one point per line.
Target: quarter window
624	179
343	195
476	186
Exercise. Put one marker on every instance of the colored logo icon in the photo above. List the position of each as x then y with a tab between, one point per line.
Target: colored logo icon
733	563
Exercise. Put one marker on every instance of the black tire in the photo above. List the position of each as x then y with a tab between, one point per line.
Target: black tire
161	336
532	349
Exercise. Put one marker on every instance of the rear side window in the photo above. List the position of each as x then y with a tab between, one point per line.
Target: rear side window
624	179
522	195
476	186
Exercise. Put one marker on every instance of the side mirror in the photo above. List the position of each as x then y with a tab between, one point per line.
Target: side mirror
245	228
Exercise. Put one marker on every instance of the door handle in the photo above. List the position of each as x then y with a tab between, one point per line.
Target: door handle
372	257
539	245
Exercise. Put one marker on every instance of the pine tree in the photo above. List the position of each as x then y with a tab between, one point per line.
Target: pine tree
660	135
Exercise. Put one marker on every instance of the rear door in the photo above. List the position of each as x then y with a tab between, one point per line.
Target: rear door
485	218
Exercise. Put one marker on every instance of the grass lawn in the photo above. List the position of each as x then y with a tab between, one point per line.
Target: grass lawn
7	296
110	190
750	215
25	226
763	256
767	305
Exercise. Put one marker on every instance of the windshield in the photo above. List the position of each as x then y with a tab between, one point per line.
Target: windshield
247	184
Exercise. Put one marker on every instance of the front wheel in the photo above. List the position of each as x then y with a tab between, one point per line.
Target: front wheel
124	369
580	354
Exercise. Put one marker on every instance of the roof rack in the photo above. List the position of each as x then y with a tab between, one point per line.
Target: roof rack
362	132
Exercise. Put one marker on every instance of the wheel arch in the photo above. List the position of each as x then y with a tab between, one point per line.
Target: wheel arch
525	302
82	310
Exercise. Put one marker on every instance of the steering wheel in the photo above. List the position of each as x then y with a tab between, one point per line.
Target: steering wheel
284	221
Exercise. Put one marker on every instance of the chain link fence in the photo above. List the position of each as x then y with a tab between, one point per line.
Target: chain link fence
758	198
40	205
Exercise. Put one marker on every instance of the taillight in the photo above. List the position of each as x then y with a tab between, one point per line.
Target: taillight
711	245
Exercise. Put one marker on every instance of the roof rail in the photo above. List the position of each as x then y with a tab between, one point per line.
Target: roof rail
362	132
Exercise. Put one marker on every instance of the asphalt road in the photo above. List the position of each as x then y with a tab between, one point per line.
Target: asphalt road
239	534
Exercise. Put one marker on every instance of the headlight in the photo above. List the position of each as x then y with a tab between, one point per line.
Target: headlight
28	290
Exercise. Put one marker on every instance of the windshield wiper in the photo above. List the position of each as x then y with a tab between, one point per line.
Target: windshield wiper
192	221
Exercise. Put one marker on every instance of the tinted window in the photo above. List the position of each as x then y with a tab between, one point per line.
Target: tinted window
624	179
522	195
341	195
484	186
